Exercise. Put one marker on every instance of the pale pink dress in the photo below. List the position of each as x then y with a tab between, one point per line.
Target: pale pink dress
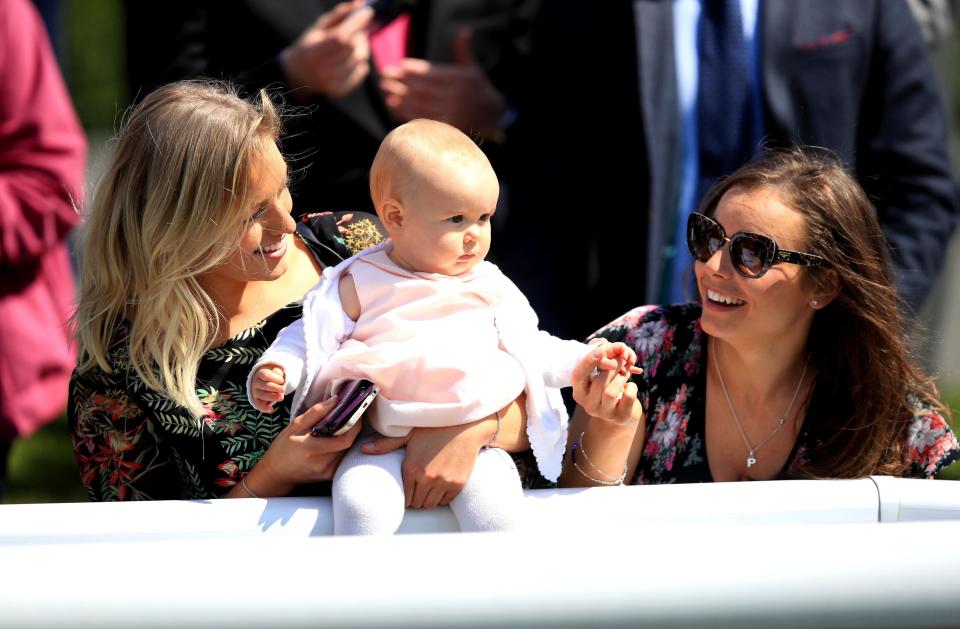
431	344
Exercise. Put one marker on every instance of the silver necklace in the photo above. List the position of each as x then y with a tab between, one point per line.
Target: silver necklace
751	457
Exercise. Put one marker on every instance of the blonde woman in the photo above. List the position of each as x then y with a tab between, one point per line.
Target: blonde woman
191	265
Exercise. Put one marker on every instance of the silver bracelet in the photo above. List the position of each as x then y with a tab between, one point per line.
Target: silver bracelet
583	451
496	434
599	481
243	481
578	444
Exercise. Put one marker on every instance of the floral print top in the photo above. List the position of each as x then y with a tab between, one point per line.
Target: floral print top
133	443
671	349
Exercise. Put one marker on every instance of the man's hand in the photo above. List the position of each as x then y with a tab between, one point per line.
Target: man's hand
331	57
459	94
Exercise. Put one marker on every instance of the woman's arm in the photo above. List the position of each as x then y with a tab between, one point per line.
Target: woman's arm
607	431
115	444
439	461
296	457
603	449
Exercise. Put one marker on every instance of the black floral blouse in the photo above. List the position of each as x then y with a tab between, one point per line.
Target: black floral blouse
132	443
671	349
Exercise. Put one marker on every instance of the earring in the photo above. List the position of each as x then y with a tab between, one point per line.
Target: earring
814	303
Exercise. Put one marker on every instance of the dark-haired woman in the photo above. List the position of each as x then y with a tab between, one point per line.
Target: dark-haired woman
794	363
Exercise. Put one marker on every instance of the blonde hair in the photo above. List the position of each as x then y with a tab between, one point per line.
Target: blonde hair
410	154
166	211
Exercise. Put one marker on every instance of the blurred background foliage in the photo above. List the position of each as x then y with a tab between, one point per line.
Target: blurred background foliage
89	37
92	52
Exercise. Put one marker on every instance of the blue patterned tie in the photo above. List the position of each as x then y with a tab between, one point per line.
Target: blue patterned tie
724	96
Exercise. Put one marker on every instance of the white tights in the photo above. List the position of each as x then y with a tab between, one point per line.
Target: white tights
368	493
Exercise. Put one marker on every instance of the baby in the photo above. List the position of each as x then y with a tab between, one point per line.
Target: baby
444	334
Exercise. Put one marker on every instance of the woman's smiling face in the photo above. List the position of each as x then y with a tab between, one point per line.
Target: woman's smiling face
765	308
265	241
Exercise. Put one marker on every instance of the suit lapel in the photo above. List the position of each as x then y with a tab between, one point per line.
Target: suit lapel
437	41
777	18
657	82
364	105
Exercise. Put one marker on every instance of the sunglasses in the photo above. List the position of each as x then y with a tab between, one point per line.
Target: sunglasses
752	254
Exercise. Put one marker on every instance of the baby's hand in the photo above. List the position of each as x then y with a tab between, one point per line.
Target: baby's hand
602	383
608	356
267	387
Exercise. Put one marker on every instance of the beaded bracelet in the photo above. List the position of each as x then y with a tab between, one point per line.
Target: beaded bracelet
243	481
496	433
578	444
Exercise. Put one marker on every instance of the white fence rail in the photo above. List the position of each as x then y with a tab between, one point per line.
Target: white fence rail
737	554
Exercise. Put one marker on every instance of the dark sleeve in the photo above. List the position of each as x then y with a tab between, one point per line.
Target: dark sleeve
335	236
932	444
165	45
502	41
116	444
188	39
903	161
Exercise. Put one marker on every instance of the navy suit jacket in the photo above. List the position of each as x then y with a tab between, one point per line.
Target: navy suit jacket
850	75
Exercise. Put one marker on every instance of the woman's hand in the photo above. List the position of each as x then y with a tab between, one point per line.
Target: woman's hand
438	461
608	424
296	457
602	387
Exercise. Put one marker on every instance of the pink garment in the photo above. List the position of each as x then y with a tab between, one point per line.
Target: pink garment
42	154
388	46
430	342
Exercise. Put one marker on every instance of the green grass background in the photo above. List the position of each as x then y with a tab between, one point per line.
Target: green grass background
42	468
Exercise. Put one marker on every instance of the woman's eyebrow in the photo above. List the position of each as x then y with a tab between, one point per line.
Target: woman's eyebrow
283	184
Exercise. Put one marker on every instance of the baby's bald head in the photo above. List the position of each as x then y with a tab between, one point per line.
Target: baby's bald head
423	155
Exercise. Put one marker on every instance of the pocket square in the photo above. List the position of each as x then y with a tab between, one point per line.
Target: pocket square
825	41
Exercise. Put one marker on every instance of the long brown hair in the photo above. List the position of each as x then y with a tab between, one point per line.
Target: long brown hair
866	373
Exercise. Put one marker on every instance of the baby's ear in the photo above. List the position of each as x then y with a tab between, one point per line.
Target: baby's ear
391	214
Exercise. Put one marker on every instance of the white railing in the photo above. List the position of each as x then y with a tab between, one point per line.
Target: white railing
732	554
